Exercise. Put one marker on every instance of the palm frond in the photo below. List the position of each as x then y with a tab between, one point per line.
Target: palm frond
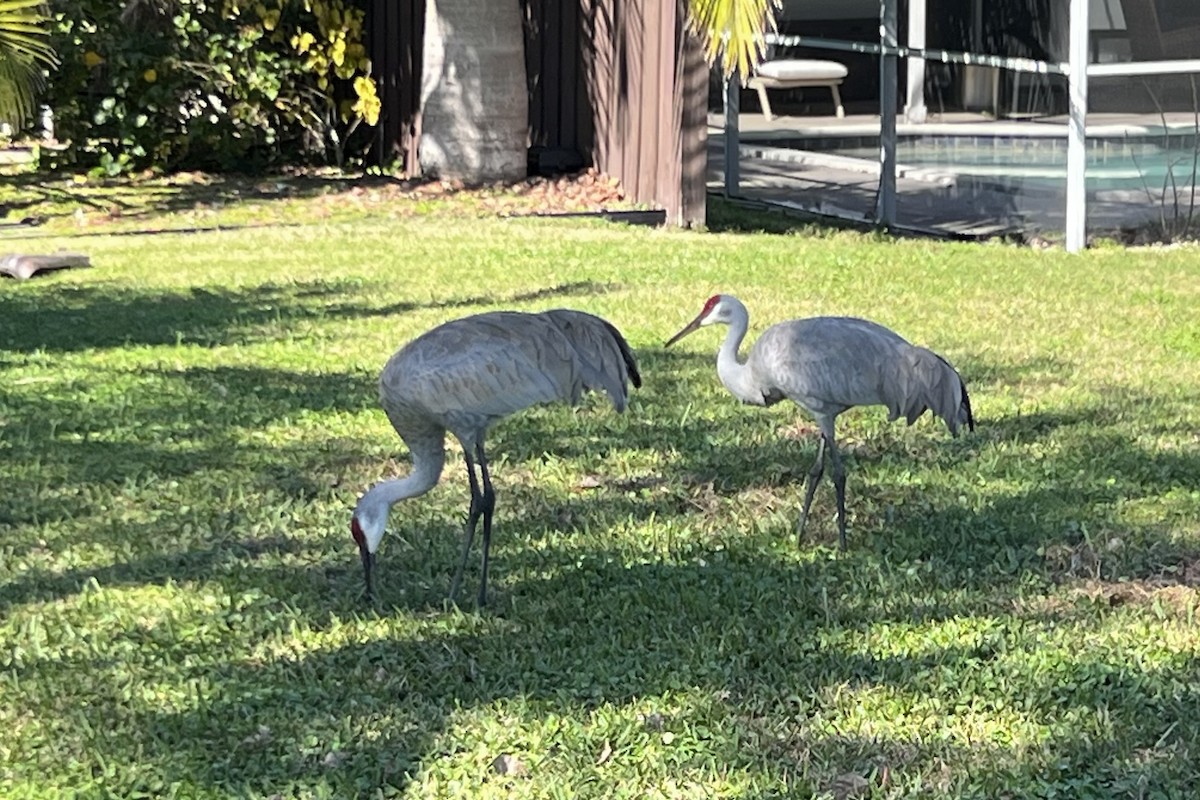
733	32
24	52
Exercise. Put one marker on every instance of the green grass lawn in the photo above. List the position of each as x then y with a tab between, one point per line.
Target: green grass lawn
185	428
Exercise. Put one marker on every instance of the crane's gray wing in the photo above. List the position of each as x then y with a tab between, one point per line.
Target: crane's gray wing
605	359
483	367
830	364
826	364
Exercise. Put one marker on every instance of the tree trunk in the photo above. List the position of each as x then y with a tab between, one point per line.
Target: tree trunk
474	100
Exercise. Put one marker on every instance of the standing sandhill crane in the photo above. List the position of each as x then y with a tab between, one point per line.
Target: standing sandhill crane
827	365
468	373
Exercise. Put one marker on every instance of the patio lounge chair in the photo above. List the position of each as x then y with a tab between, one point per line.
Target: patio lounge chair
796	73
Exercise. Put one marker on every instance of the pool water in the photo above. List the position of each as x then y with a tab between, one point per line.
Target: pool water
1042	163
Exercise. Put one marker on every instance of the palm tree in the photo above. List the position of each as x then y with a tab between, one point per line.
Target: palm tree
474	98
24	53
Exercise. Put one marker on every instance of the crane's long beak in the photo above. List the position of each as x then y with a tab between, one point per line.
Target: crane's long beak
368	561
692	326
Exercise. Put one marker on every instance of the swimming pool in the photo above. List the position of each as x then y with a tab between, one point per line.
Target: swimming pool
1032	163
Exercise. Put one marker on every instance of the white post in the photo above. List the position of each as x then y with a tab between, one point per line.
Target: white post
914	102
888	80
1077	84
732	144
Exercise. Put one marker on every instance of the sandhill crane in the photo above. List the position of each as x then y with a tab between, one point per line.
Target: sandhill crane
466	374
827	365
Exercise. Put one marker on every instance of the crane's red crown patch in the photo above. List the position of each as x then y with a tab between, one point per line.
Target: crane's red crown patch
710	304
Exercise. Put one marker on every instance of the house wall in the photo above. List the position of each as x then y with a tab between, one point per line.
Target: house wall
798	10
1154	30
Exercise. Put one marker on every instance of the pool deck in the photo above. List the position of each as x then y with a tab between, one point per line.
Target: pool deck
753	126
927	199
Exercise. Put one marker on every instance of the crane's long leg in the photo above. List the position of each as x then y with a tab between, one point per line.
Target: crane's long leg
469	529
810	487
487	506
839	485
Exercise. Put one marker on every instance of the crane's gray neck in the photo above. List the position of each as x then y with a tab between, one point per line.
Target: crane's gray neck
385	494
733	372
429	456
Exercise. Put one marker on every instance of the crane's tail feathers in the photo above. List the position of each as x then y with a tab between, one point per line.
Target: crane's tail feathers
606	358
631	367
965	408
932	384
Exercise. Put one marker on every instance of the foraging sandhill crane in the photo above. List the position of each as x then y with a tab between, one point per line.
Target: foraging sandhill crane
468	373
827	365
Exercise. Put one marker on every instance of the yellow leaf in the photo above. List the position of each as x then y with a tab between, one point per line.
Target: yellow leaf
150	75
304	41
92	59
368	105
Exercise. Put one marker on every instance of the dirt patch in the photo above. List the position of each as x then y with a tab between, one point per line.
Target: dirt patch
585	191
1179	598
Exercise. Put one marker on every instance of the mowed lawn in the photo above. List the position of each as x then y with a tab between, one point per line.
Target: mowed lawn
185	428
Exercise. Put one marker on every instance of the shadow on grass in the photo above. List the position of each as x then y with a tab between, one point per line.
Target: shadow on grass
763	639
761	649
725	216
57	196
169	424
1064	479
68	317
180	424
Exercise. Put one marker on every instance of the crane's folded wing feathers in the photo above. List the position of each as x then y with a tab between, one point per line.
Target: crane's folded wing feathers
490	365
604	357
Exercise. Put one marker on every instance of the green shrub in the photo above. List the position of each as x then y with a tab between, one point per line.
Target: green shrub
196	84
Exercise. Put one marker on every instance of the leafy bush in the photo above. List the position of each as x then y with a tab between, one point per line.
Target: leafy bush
197	84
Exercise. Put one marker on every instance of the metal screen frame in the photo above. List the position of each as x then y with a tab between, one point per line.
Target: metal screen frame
1077	70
